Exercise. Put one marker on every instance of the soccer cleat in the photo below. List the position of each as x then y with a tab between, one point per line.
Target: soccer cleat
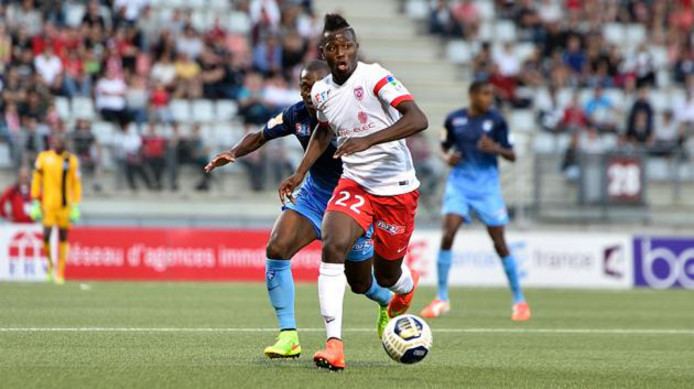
287	346
435	309
383	320
59	280
400	303
49	276
332	356
521	312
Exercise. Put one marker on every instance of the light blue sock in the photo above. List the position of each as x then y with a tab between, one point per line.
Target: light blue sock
443	266
280	288
378	293
512	274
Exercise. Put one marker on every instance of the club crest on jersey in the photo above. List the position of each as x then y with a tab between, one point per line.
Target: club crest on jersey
363	117
392	229
302	129
359	93
487	125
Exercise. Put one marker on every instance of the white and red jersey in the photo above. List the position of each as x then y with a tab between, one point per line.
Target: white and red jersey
363	105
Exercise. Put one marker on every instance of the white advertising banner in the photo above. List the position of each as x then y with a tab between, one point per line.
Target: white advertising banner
21	253
545	259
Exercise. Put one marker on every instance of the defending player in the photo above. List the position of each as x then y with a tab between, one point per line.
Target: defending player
56	191
371	112
300	222
472	141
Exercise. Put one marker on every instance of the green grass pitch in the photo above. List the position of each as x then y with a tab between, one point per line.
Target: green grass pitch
576	339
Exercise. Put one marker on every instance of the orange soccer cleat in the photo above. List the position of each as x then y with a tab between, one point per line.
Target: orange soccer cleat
521	312
400	303
435	309
332	356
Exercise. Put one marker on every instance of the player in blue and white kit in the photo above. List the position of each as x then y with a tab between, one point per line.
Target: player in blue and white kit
473	140
300	222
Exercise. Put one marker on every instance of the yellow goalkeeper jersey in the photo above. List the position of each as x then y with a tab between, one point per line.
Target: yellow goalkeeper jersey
56	180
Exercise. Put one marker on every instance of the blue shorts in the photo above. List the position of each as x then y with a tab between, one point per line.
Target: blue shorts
311	202
488	205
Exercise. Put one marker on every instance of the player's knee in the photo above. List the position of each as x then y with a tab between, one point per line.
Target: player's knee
277	249
335	249
386	279
359	286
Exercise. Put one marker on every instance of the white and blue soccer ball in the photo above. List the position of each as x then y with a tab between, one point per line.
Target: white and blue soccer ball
407	339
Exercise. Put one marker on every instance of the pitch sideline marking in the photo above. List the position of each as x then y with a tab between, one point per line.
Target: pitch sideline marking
541	331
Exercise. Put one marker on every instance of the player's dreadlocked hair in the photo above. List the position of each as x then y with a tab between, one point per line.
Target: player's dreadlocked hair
334	22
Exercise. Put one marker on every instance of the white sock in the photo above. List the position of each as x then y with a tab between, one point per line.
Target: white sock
405	282
331	293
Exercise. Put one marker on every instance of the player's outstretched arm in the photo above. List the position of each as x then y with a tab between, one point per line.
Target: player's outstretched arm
320	140
412	121
248	144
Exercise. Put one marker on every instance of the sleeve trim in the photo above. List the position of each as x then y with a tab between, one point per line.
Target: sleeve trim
380	84
401	99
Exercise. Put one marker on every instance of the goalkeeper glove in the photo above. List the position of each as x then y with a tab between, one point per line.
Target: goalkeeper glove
75	213
35	212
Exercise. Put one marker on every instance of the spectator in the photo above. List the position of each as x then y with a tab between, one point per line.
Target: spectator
189	43
483	63
88	151
33	139
441	20
92	16
575	57
265	16
129	9
187	78
214	75
129	153
466	14
154	153
251	103
669	136
574	118
49	67
159	102
24	14
684	112
425	166
164	71
16	199
550	112
641	112
267	56
110	98
639	133
137	100
507	61
174	155
76	82
601	111
200	153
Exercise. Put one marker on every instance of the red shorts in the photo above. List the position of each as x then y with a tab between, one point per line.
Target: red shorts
391	216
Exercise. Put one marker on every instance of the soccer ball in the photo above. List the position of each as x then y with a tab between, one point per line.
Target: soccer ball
407	339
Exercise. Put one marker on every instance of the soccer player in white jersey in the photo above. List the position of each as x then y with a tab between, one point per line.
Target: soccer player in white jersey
371	113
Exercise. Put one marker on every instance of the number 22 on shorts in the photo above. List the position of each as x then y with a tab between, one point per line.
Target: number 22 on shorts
345	196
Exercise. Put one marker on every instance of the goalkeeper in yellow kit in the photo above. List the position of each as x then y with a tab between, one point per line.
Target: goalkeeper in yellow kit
56	191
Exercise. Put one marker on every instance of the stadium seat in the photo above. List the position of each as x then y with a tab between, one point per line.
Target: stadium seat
174	3
62	105
544	143
181	110
458	52
103	132
660	56
677	97
522	120
239	22
196	4
74	13
5	156
220	5
504	31
562	142
658	169
616	95
524	50
226	135
203	111
486	31
225	110
635	34
201	19
564	96
609	141
417	9
485	9
614	33
659	100
584	95
83	108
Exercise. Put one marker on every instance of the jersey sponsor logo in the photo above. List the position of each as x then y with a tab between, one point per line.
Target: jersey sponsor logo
459	121
487	125
363	117
345	132
322	96
359	93
392	229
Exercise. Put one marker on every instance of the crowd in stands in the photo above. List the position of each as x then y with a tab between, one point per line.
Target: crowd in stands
129	60
596	69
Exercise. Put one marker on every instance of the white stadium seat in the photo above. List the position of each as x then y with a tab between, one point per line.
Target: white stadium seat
62	105
544	143
458	52
417	9
485	9
486	31
564	96
221	5
659	100
635	34
74	13
196	4
180	110
614	33
103	132
5	156
522	120
524	50
226	110
505	31
83	108
203	111
226	134
239	22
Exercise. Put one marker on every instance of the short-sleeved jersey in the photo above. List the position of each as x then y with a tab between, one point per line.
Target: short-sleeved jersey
297	121
56	180
463	132
363	105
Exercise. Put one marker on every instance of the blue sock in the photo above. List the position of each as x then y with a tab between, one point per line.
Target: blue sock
280	288
443	266
512	274
378	293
